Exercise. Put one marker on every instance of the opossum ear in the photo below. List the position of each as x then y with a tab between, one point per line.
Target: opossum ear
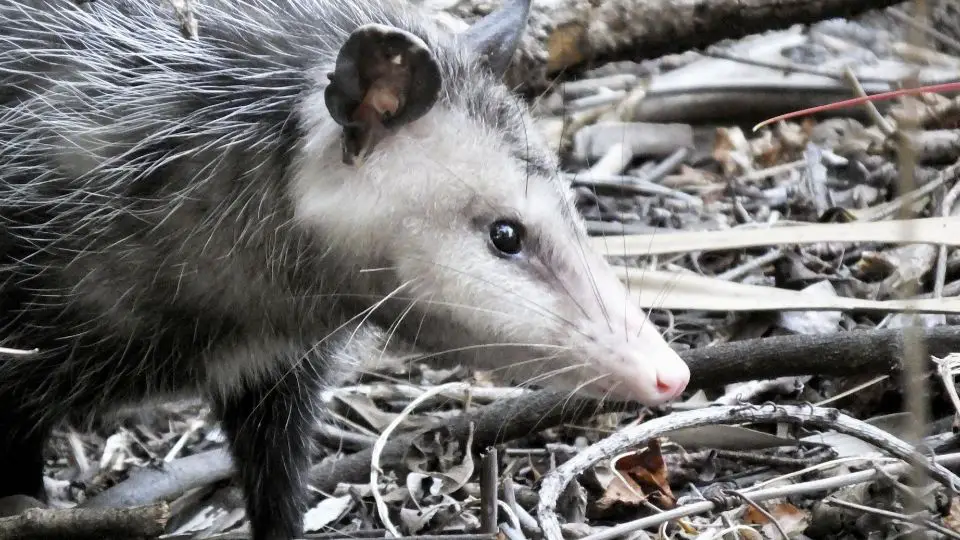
494	38
384	77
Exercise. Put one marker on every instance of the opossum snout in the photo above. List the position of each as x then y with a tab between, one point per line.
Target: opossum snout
642	367
622	345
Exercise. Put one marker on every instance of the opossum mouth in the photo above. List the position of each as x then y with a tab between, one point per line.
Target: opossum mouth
662	392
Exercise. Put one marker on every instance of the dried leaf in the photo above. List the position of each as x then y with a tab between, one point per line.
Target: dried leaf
791	519
365	408
638	476
922	230
732	150
445	479
447	512
326	512
813	322
673	290
621	491
952	519
724	437
115	452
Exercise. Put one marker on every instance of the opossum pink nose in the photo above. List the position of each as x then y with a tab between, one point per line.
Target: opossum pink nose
671	382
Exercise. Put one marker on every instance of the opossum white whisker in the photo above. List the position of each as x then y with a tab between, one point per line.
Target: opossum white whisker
393	327
573	392
380	269
480	346
566	291
527	361
553	373
592	280
657	301
423	318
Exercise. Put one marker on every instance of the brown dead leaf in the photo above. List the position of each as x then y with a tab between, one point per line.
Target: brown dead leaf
791	519
621	491
730	150
952	519
445	480
767	149
639	476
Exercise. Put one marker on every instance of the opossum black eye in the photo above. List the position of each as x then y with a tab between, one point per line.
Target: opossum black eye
507	236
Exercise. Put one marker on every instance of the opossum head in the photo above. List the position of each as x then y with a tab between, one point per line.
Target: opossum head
433	189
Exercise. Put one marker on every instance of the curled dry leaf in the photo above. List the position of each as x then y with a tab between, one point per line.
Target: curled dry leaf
427	481
328	511
366	408
732	150
952	519
446	515
812	322
637	477
790	518
115	452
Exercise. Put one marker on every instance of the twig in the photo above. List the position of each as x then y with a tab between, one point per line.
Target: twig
527	523
182	441
511	532
629	184
555	481
852	390
767	460
148	485
803	488
947	368
893	515
946	210
352	535
714	52
511	516
342	437
667	165
871	108
843	353
914	363
769	257
932	32
83	523
489	474
382	441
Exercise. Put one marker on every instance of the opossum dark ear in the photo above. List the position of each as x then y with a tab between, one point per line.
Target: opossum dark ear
494	38
384	77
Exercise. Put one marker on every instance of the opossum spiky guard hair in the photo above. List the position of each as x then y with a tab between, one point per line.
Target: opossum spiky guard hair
224	215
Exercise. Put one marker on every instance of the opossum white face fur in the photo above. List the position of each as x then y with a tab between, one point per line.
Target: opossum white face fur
462	224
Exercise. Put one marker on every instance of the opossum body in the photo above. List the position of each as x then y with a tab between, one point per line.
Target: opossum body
221	216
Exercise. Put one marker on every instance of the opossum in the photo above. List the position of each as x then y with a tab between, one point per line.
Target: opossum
220	216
